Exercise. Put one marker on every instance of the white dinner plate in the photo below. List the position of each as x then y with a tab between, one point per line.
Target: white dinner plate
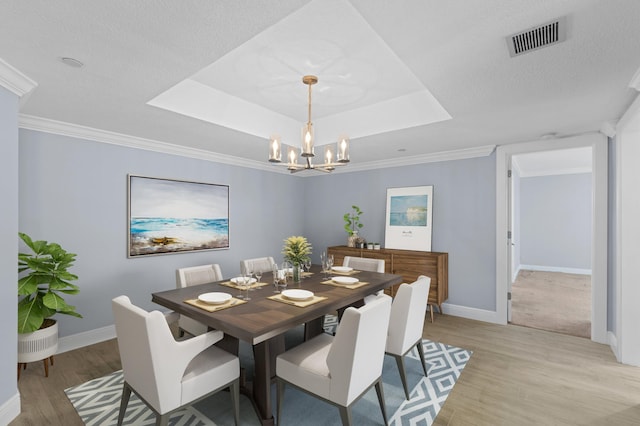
240	279
345	280
215	298
342	268
297	294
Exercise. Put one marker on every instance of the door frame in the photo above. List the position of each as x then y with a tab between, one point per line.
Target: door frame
598	144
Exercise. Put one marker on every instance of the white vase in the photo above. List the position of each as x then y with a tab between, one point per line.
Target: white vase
351	241
38	345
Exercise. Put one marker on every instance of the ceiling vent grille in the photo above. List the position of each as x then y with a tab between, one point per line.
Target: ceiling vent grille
536	38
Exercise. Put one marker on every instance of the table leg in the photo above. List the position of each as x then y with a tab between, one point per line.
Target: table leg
313	328
264	356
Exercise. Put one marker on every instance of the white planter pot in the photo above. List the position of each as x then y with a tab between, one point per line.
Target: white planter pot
39	345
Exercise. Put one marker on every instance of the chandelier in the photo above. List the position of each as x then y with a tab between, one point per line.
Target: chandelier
307	150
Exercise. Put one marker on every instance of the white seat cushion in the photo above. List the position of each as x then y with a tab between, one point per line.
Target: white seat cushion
306	365
212	365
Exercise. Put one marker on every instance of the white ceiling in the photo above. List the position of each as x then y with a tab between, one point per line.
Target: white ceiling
256	52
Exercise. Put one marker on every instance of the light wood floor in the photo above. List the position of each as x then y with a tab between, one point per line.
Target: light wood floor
516	376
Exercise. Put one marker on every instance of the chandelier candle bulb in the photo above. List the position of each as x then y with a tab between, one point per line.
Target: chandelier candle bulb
293	158
307	140
275	153
328	158
343	150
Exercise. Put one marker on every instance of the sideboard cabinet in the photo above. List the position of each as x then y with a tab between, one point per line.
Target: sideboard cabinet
408	263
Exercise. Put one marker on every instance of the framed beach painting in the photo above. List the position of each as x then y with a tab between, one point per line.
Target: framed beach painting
174	216
409	218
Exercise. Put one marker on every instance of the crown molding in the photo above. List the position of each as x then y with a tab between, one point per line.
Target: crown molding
83	132
14	80
458	154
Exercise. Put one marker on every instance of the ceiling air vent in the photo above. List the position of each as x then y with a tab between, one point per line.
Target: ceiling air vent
536	38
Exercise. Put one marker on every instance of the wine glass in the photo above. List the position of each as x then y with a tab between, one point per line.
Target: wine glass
258	274
325	268
276	274
240	285
281	282
307	264
246	283
330	261
250	275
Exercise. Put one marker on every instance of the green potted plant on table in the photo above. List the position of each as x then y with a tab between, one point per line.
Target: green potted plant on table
352	225
297	251
43	276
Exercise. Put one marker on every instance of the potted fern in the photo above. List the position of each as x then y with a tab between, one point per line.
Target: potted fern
43	275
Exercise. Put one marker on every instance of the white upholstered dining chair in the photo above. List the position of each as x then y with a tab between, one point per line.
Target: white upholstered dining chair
167	374
406	324
364	263
195	275
263	264
342	368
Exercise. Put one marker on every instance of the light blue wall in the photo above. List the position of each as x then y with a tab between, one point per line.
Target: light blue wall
8	245
74	192
555	221
464	217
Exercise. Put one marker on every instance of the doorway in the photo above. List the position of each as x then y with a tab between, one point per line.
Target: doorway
597	142
551	215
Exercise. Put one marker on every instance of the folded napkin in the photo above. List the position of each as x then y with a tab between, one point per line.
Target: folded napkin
236	286
298	303
212	308
349	286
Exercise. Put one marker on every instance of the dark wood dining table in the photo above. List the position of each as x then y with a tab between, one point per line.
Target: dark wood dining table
262	322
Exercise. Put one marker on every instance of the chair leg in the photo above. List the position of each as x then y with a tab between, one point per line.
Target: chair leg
162	419
381	400
431	312
421	353
403	375
345	415
124	401
235	400
280	396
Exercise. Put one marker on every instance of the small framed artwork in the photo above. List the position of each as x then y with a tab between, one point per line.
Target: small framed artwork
174	216
409	218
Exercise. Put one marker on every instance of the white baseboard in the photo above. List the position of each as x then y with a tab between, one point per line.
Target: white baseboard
471	313
10	409
86	338
555	269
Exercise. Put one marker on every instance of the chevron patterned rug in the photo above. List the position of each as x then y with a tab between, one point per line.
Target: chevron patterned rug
97	401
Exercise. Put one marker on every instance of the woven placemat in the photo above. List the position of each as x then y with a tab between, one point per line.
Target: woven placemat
298	303
212	308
